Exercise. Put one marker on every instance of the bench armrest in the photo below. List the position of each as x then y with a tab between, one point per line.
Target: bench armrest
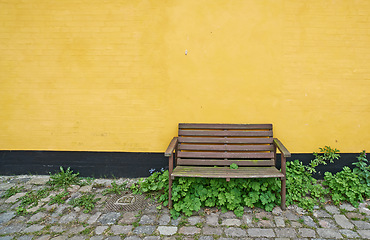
281	148
171	147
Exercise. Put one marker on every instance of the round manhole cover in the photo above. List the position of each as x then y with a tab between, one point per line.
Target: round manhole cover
125	202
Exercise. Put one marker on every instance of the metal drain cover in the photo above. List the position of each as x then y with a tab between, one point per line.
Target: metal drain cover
126	202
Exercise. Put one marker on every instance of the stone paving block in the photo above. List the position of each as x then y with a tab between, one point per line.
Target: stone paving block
167	230
205	238
286	232
362	224
62	237
144	229
44	237
38	216
57	229
349	233
279	221
39	180
307	232
6	238
77	238
207	230
115	238
235	232
25	237
7	216
231	222
15	197
68	218
194	220
327	223
33	228
277	211
119	229
332	209
152	238
291	215
212	219
347	206
365	234
83	217
97	238
109	218
309	221
100	229
321	214
85	189
189	230
164	219
260	232
352	215
147	219
128	218
343	222
247	219
12	229
329	233
128	238
228	214
265	224
175	222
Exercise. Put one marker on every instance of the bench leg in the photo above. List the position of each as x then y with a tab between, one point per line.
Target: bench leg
169	192
283	193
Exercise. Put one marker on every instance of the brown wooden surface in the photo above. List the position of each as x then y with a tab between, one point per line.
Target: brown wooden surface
226	172
225	140
218	162
171	147
219	147
281	148
225	133
223	126
245	155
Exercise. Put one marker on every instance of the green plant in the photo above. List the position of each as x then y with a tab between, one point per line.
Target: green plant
302	188
64	178
326	154
59	198
234	166
115	188
362	169
157	182
346	186
12	191
86	201
31	199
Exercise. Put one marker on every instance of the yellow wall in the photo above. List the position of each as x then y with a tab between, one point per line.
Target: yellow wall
113	75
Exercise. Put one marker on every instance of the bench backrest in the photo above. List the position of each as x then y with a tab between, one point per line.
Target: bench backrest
224	144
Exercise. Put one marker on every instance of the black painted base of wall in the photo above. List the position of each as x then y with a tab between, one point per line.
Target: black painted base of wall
117	164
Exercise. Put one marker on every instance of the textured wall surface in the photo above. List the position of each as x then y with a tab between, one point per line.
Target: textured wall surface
113	75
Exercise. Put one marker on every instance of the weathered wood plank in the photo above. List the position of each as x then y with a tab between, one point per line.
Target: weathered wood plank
223	126
171	147
281	148
245	155
226	140
213	147
226	172
218	162
225	133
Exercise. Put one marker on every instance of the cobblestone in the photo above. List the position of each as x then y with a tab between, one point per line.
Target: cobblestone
65	222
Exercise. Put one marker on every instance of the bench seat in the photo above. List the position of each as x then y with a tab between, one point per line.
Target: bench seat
226	172
208	151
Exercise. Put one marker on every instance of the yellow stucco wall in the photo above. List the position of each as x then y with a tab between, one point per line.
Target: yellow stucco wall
113	75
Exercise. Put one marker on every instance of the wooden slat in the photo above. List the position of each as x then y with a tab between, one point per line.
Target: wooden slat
281	148
224	126
225	133
225	155
171	147
212	147
226	172
218	162
225	140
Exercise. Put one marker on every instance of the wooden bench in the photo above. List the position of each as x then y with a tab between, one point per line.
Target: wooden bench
200	147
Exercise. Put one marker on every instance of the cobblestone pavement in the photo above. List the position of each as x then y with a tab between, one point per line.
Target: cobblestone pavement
149	223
